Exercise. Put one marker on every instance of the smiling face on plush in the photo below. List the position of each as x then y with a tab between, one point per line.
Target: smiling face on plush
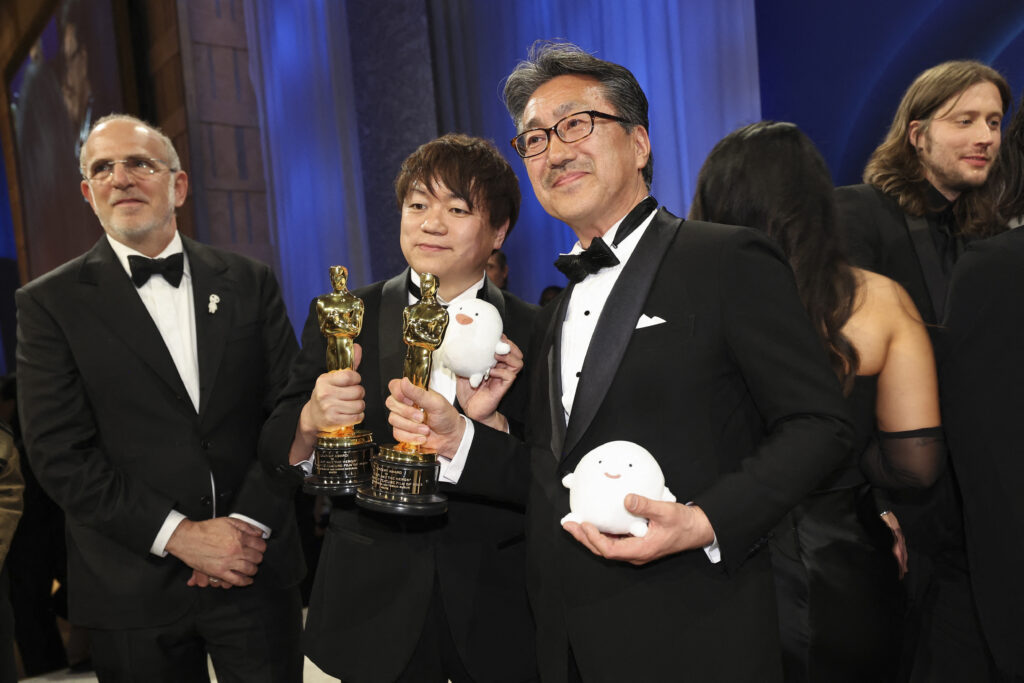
602	480
472	339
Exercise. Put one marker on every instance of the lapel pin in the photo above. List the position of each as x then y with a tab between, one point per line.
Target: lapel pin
214	300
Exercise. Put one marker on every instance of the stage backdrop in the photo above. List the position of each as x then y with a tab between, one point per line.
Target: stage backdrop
347	88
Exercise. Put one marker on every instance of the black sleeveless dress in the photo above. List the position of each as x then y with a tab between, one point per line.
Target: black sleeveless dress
837	584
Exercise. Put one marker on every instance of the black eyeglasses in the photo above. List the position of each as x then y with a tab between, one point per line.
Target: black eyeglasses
572	128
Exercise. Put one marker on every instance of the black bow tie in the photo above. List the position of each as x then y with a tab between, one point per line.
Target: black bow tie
599	255
589	261
171	268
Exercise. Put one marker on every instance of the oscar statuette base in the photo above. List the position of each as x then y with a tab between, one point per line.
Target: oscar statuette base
341	463
403	483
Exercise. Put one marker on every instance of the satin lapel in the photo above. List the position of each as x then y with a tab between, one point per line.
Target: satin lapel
922	260
553	358
493	296
617	323
110	294
394	297
210	277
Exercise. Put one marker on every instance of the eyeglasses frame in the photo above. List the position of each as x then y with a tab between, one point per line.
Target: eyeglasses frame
114	162
593	113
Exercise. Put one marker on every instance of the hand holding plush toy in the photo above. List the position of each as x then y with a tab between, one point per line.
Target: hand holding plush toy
603	479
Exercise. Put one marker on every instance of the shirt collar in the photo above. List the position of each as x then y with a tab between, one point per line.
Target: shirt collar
936	202
625	248
468	293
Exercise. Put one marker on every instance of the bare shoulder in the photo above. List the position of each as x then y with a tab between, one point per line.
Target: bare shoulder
884	300
883	314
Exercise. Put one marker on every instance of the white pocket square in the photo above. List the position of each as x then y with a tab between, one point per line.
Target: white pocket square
647	321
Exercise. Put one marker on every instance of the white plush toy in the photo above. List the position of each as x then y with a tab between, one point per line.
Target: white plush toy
472	339
602	480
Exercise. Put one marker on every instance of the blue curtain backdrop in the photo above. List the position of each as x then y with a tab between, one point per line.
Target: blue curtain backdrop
349	88
299	57
696	60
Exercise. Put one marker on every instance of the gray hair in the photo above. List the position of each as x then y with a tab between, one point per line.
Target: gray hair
547	60
170	154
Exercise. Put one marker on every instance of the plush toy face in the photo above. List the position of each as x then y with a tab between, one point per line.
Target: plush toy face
602	480
473	337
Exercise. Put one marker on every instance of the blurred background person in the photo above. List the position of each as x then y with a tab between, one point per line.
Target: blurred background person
1008	178
12	486
37	561
497	268
549	293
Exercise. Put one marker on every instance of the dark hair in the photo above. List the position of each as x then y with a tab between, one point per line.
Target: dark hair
896	169
549	293
472	168
502	258
548	59
1009	181
770	176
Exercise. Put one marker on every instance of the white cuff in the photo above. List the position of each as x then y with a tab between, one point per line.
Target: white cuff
249	520
451	468
159	547
307	464
713	552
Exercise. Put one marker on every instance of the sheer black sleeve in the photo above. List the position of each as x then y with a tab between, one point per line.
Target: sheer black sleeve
910	459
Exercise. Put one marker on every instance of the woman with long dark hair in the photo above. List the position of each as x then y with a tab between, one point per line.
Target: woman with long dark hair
838	591
1009	172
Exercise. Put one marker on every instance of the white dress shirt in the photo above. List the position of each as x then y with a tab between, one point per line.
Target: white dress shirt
586	302
173	311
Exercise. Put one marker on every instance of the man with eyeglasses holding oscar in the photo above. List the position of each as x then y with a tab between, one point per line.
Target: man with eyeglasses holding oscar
146	367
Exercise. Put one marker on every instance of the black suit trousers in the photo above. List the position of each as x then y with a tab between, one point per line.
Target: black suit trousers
251	635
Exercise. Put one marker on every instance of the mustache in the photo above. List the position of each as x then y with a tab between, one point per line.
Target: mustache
555	172
126	196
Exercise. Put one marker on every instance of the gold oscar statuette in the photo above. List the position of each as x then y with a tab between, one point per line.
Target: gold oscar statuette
404	475
341	462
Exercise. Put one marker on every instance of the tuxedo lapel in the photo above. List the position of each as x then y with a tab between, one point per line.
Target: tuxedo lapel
921	260
210	278
394	297
553	363
113	298
493	296
617	323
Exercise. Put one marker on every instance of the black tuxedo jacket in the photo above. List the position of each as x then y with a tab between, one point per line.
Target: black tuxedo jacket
879	239
734	397
115	440
377	572
981	378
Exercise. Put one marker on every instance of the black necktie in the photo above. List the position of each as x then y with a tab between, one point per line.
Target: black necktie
599	255
171	268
